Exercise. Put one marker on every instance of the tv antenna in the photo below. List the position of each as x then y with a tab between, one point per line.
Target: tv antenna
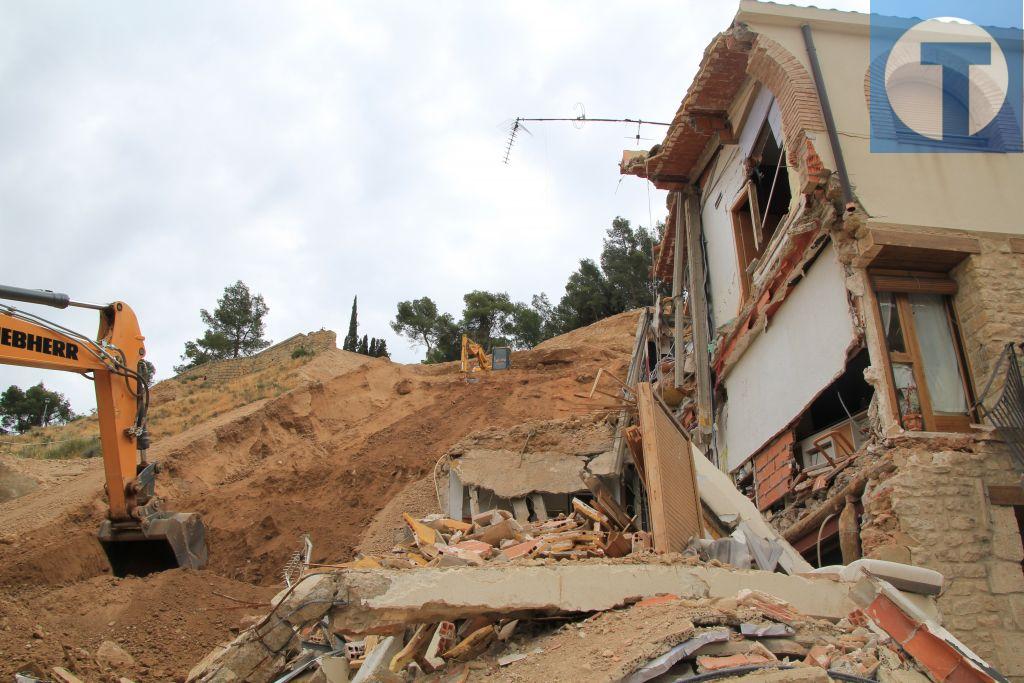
578	121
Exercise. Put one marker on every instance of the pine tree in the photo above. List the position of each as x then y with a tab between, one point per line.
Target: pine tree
352	338
382	349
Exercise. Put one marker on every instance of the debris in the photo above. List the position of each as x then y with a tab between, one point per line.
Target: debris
509	659
65	676
114	657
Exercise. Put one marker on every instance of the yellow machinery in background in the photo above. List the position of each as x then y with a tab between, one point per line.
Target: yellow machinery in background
472	351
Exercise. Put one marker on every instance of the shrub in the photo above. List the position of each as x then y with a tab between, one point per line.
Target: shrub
301	352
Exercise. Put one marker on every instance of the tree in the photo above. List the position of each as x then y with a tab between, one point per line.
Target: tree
525	328
378	348
587	298
235	328
448	340
626	263
486	315
364	346
36	407
352	338
148	372
417	320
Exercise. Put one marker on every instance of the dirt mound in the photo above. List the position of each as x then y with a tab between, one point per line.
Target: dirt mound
318	447
165	622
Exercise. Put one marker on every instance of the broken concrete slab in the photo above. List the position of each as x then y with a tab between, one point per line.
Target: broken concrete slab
510	474
382	601
375	668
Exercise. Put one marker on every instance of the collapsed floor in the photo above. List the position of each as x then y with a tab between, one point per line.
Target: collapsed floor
322	457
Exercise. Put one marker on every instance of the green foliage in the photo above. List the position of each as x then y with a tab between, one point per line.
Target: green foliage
486	316
448	340
418	320
235	328
301	352
622	281
352	338
595	291
378	348
35	407
363	346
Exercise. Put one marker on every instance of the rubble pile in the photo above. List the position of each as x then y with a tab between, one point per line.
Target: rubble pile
663	637
495	536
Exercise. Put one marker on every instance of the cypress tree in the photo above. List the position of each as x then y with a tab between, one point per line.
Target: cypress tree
352	338
382	349
364	346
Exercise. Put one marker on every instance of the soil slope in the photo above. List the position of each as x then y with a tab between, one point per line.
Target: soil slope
347	435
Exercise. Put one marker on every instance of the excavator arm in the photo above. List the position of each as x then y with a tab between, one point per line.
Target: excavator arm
122	400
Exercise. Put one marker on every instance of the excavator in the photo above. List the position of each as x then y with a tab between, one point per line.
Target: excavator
138	537
471	350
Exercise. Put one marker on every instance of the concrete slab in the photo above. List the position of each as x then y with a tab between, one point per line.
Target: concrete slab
382	601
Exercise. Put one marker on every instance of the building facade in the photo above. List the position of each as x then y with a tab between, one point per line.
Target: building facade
839	323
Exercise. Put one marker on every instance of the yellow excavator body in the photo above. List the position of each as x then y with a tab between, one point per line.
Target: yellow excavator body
137	536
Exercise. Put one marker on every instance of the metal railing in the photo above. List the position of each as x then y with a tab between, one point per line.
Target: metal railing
1006	413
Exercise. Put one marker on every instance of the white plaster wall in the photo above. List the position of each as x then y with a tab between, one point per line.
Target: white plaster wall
788	365
723	268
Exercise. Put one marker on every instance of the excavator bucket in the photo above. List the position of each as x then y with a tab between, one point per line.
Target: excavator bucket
166	540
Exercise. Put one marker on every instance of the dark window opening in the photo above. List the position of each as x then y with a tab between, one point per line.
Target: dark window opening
762	205
835	425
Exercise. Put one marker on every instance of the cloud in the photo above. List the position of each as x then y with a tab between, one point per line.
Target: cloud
156	152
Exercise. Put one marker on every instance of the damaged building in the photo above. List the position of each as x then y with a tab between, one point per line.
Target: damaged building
840	335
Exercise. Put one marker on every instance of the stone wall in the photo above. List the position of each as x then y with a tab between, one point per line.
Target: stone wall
933	511
989	304
220	370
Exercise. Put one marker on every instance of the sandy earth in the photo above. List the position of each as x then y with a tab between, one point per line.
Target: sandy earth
323	458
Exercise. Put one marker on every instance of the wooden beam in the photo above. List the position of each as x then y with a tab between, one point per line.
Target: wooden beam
1006	495
924	240
699	311
677	291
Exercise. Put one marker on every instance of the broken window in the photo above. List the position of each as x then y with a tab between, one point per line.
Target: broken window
763	203
929	377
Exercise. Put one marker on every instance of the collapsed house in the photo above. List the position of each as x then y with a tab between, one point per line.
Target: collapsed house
807	471
840	335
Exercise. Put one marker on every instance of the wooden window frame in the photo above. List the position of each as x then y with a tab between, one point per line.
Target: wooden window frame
901	284
746	203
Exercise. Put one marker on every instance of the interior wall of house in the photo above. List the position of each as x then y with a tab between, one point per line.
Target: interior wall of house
803	350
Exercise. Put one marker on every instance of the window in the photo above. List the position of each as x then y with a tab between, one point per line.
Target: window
762	203
926	363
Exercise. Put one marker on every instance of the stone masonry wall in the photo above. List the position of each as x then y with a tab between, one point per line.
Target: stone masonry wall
989	304
933	511
220	370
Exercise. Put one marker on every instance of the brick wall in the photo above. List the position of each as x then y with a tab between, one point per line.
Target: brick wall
933	511
773	470
220	370
989	304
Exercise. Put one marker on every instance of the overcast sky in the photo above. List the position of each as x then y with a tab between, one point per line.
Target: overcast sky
156	152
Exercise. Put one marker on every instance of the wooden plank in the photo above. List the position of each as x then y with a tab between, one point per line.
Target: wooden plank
677	292
671	481
924	240
699	311
1006	495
